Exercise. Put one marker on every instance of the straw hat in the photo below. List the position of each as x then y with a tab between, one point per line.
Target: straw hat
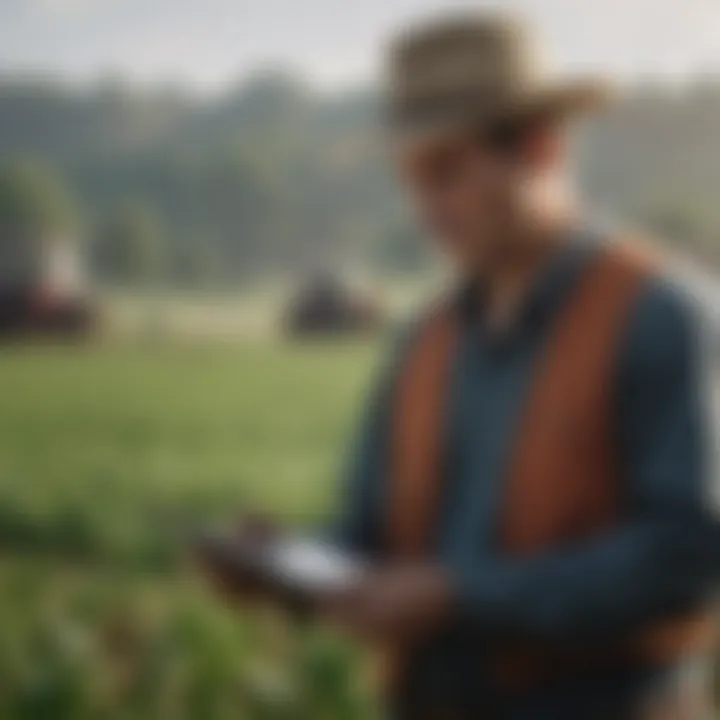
470	70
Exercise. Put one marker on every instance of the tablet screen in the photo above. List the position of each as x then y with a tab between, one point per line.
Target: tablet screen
313	566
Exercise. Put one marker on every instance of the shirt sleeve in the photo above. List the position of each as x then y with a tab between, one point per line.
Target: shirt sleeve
666	555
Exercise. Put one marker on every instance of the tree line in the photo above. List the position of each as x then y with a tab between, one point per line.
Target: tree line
274	175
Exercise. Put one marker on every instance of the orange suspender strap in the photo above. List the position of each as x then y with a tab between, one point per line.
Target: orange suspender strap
563	480
417	431
417	434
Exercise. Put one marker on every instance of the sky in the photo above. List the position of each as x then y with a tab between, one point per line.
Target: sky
212	43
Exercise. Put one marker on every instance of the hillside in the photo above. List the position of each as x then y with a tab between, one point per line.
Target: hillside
275	175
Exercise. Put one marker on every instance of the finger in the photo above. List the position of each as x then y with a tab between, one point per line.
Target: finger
257	527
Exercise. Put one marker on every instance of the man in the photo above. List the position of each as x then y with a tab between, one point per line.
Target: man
530	479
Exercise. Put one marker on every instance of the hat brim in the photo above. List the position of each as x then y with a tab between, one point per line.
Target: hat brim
553	102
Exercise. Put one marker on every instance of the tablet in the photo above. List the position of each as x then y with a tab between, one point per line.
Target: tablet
303	566
312	566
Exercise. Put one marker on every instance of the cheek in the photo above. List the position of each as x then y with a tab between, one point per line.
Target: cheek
452	216
485	190
471	209
462	208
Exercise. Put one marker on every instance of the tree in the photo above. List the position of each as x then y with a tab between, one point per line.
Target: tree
130	245
36	209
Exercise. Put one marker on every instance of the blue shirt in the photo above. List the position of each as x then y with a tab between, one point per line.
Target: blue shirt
656	562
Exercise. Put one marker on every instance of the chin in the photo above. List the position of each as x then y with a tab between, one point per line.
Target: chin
465	252
468	261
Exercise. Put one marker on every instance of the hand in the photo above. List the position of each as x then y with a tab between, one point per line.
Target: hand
230	578
400	602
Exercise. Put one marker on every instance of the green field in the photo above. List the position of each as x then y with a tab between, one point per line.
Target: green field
109	458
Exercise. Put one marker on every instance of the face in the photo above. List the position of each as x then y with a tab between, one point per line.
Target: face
464	193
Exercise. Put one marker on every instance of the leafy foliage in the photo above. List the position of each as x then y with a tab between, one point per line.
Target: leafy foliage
274	175
110	460
130	245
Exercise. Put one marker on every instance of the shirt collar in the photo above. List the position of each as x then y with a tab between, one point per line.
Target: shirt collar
546	292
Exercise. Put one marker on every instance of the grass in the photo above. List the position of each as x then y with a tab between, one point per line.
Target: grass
98	448
109	457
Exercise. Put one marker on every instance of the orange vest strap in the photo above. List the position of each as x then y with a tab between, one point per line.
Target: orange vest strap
563	481
417	433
